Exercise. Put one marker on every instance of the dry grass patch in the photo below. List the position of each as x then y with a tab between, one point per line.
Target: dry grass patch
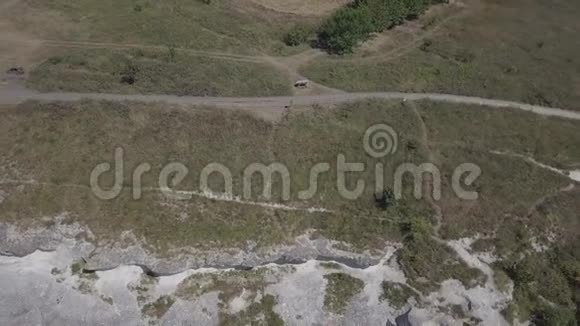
552	141
56	146
221	25
508	188
303	7
169	71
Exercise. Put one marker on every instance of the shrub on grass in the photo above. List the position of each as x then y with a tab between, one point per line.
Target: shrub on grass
297	35
547	315
544	287
129	74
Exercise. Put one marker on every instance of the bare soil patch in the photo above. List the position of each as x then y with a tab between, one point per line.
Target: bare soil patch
302	7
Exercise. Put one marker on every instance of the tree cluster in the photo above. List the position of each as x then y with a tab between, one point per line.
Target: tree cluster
350	25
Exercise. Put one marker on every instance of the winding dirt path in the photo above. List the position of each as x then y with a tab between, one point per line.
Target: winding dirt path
108	45
17	94
428	185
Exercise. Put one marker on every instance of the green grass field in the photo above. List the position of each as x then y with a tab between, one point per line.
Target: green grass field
522	50
156	71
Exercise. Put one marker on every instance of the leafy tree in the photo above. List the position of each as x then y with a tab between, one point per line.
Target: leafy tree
353	24
395	12
346	28
414	8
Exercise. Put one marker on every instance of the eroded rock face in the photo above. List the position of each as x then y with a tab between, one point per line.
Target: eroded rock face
15	241
130	251
303	249
55	288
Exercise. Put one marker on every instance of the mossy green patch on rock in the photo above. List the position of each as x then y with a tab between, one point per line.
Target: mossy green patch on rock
340	289
396	294
257	314
229	284
249	285
158	308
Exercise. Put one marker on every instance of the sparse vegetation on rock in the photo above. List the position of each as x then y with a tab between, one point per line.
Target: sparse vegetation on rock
396	294
339	291
158	308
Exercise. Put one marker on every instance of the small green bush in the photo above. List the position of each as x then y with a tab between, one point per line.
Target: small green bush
297	35
77	267
129	74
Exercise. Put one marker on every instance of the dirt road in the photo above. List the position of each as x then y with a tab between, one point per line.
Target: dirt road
18	94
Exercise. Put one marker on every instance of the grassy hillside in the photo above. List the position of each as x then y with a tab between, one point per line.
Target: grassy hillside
517	50
58	145
49	150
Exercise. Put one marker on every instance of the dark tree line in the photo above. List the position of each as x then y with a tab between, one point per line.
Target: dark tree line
350	25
